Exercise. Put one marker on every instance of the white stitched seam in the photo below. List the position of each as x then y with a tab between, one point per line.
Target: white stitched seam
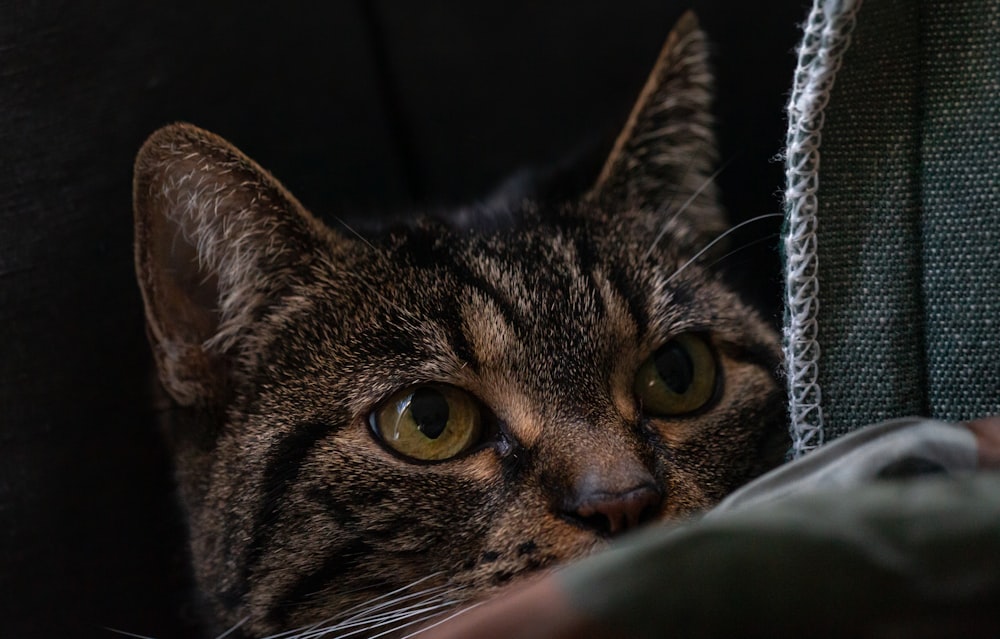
827	35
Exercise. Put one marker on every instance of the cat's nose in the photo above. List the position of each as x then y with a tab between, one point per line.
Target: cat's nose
614	501
613	514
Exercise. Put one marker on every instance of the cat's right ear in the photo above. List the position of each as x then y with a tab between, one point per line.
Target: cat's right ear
216	240
663	160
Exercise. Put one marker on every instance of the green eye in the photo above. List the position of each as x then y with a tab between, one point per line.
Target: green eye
429	423
679	377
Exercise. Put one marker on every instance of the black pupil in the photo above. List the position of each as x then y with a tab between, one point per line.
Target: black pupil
429	409
675	368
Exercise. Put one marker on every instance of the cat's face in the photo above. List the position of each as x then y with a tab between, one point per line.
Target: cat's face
443	408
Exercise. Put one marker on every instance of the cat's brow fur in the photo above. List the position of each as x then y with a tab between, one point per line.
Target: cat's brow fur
276	337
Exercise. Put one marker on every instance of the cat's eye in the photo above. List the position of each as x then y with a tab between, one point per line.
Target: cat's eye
678	378
429	423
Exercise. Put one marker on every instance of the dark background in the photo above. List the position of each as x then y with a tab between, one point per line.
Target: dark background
360	107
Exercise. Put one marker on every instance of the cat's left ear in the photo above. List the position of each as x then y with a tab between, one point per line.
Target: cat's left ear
663	161
218	240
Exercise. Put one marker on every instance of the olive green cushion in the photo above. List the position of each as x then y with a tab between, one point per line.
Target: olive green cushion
889	559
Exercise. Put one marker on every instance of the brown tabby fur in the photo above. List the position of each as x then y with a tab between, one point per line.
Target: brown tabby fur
276	336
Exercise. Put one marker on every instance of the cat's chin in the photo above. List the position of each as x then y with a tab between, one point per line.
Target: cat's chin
427	601
493	575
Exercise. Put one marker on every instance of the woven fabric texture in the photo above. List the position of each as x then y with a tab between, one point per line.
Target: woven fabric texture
904	271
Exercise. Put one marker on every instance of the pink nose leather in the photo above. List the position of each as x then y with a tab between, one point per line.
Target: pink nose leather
615	514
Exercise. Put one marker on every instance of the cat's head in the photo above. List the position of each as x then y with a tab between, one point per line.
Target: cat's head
444	408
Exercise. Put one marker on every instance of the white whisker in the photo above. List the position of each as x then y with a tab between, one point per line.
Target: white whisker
396	609
358	235
300	631
233	628
368	625
406	625
448	618
362	607
717	240
438	597
759	240
368	612
668	205
370	621
684	207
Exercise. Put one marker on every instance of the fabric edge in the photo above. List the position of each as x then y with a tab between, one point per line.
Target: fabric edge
826	37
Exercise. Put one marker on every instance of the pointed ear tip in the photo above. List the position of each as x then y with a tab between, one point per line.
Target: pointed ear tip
687	45
152	161
688	22
163	148
164	141
688	28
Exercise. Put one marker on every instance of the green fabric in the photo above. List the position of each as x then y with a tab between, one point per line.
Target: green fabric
893	559
908	218
961	198
868	246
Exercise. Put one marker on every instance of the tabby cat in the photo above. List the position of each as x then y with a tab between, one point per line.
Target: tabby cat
426	414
